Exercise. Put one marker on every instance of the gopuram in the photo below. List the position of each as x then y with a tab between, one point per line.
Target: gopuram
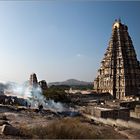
119	73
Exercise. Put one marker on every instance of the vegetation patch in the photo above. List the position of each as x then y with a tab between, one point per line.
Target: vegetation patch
61	129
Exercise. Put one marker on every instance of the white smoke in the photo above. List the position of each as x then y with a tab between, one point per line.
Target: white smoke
55	106
33	94
18	90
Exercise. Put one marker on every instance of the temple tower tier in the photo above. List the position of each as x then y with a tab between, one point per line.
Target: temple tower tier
119	73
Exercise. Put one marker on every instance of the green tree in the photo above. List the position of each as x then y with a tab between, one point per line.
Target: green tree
57	94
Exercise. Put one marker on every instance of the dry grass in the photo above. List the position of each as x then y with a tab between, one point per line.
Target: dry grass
68	128
61	129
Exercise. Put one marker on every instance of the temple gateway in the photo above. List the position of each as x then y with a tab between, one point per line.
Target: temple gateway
119	73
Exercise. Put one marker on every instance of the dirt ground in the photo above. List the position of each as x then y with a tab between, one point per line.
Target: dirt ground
31	118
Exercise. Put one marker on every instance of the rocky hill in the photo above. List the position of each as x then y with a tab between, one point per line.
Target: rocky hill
71	82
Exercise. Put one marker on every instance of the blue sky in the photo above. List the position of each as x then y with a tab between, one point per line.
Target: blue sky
59	40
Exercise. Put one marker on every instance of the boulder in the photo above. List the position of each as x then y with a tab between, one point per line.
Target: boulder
2	122
9	130
3	117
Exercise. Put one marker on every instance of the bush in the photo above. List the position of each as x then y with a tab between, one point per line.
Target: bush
56	94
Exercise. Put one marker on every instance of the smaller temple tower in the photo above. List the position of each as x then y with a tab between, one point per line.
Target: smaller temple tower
43	85
33	80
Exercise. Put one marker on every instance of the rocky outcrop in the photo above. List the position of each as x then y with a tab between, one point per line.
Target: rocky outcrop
9	130
11	100
2	122
6	128
43	85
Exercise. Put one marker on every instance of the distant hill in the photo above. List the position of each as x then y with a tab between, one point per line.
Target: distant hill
71	82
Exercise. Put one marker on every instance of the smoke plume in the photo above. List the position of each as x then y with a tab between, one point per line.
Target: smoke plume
33	95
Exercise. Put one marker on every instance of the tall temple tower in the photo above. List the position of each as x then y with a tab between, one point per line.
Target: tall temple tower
119	73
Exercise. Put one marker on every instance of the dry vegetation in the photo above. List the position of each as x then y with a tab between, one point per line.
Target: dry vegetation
68	128
60	129
35	125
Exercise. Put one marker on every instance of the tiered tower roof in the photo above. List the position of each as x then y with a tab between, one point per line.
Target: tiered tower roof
119	73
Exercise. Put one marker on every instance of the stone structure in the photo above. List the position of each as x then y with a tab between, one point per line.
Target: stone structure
119	73
43	85
136	112
33	80
103	112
